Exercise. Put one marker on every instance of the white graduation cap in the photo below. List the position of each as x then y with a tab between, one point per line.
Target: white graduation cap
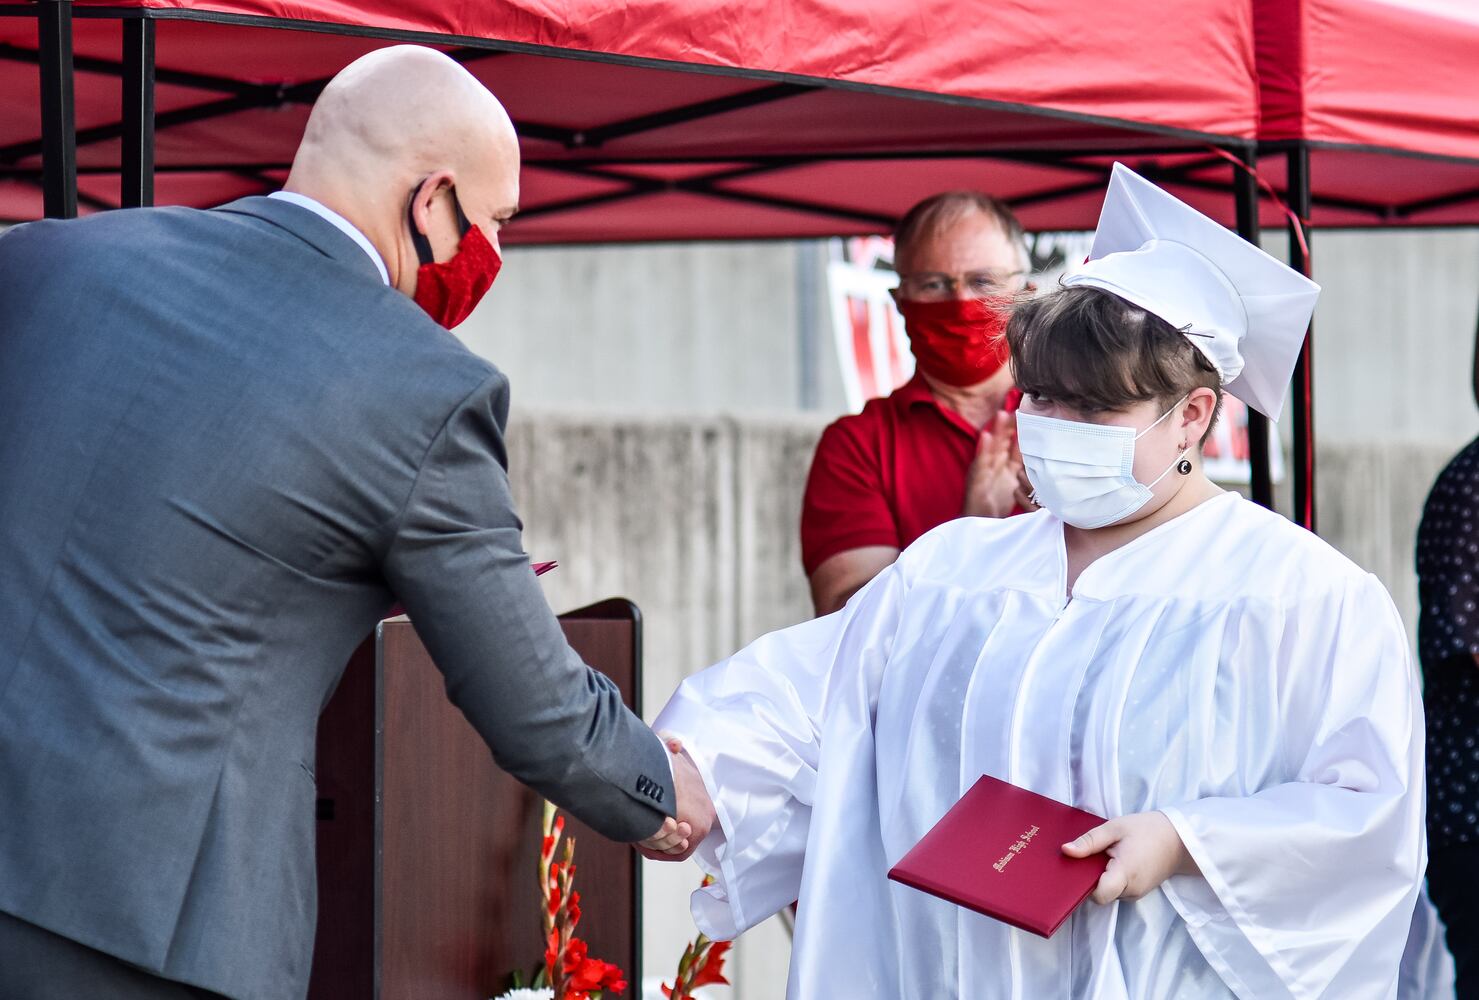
1246	311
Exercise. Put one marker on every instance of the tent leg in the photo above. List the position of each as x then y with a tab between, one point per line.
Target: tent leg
137	175
58	109
1304	386
1245	191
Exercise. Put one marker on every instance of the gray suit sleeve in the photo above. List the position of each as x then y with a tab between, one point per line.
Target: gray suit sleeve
456	561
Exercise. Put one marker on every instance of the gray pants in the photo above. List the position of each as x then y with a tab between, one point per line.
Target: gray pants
36	964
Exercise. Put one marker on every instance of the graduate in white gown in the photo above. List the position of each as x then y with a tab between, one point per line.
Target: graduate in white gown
1235	694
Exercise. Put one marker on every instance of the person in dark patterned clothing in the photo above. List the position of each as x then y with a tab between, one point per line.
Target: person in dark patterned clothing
1448	646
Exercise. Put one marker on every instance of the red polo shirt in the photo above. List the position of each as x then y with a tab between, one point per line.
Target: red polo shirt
887	475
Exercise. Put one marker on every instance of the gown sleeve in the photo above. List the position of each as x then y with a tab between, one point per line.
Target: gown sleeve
1308	887
754	724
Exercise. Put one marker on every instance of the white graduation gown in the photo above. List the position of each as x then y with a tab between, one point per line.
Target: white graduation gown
1226	668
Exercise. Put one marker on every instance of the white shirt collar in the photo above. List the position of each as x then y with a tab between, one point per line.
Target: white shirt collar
339	222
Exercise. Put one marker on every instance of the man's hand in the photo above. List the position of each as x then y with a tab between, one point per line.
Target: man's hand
992	484
1144	850
678	839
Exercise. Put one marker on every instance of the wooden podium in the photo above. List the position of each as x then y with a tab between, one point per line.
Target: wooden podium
427	851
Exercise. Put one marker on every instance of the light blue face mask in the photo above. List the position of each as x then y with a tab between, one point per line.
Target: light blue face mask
1084	472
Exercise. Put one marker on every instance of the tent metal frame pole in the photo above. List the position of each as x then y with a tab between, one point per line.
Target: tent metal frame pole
1245	193
136	181
638	186
1304	385
58	109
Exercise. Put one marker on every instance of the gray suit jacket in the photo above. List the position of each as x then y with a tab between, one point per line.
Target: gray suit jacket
225	447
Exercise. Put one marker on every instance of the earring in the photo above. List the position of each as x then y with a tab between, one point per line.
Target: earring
1184	467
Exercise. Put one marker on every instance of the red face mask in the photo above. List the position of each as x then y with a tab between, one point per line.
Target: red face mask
450	290
957	341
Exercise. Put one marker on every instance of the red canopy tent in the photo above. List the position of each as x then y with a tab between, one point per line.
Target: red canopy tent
1384	94
696	119
674	120
1370	116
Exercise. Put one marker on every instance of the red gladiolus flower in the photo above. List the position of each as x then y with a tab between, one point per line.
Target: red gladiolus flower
595	974
570	970
702	965
575	955
588	976
614	979
711	973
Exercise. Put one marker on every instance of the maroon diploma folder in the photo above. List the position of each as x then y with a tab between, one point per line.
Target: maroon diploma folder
999	851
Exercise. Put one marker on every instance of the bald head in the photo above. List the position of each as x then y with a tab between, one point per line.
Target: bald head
408	126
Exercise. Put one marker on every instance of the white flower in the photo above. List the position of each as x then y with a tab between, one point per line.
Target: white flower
527	994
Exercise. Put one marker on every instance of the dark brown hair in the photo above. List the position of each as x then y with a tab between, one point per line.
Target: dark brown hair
1092	351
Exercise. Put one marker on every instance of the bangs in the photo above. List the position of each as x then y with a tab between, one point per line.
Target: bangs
1092	351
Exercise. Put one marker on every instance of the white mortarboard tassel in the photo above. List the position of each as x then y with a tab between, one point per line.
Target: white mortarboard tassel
1244	310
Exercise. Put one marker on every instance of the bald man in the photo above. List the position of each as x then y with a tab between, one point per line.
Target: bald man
232	440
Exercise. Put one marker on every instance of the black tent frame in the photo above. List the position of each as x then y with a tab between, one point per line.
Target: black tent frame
138	74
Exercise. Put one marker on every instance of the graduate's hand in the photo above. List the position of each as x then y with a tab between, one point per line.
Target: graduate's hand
670	838
696	816
1144	850
992	482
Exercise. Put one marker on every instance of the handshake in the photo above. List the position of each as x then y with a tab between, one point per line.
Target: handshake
677	839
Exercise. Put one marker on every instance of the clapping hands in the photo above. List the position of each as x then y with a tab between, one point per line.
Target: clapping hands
994	485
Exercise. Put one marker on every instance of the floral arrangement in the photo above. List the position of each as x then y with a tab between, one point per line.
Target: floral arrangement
702	964
568	973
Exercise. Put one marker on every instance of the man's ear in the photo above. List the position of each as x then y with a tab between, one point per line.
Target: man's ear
426	192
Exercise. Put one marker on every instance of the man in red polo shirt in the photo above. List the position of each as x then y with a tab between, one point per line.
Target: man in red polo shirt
943	445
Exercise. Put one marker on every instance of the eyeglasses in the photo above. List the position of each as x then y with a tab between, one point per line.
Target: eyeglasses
931	286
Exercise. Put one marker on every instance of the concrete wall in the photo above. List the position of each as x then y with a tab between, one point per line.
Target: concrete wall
1394	336
669	328
738	328
1370	498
